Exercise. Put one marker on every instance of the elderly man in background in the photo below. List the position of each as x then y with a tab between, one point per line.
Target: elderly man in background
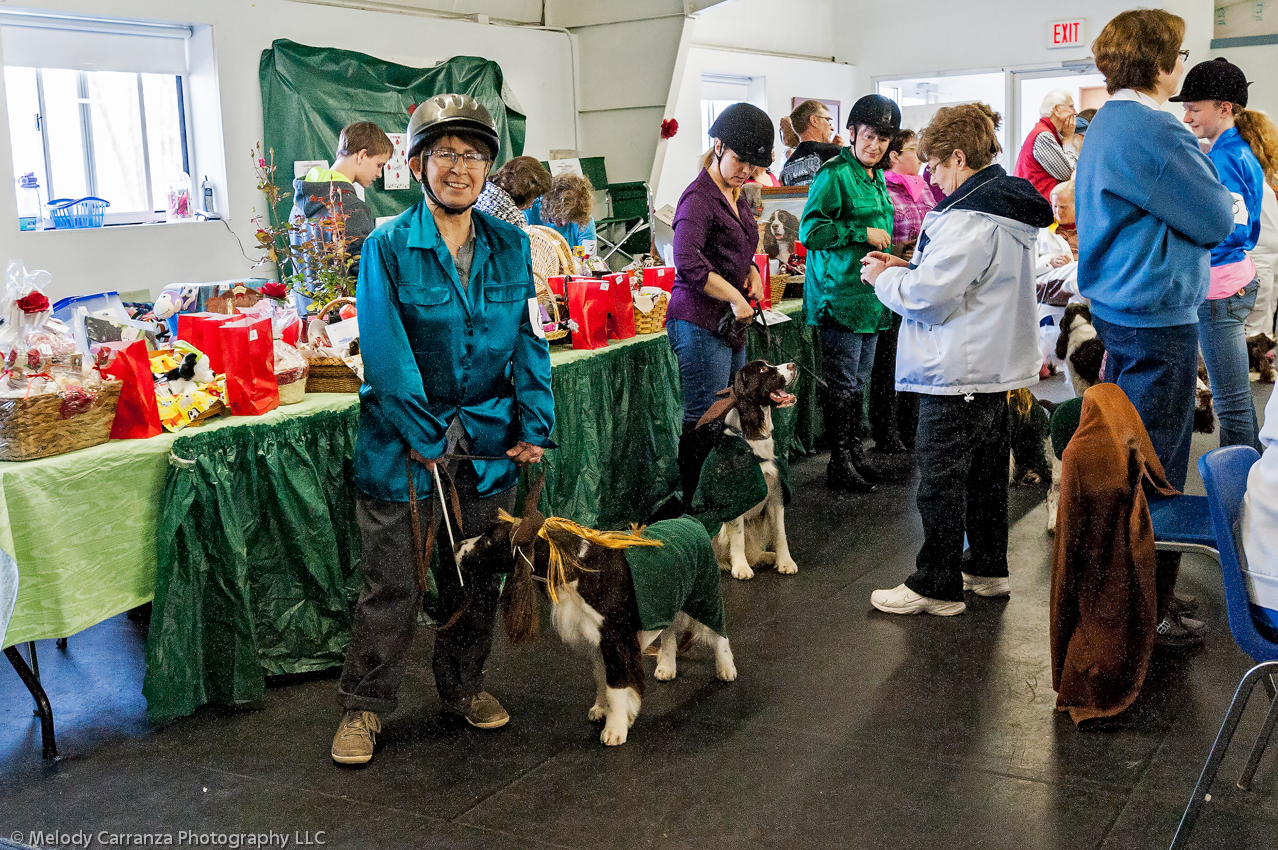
1056	271
1049	156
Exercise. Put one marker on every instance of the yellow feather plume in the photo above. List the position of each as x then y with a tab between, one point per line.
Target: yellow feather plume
557	572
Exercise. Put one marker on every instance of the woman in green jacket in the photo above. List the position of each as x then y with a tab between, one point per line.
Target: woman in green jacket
848	215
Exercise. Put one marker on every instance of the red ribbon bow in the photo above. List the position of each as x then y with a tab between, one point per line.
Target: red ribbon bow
273	290
669	127
33	302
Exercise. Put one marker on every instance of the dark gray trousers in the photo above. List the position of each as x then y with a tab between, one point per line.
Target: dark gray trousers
386	614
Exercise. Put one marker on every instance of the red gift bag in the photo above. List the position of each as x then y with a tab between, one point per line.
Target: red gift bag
621	312
761	263
201	331
662	276
136	417
556	284
589	308
248	352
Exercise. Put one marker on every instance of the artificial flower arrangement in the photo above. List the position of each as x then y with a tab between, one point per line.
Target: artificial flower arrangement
311	257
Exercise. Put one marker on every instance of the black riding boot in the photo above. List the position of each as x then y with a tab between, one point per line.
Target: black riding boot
695	445
841	411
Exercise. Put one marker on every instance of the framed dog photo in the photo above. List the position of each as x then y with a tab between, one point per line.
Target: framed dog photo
779	222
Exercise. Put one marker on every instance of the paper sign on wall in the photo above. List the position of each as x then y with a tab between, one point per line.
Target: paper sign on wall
566	166
301	166
396	174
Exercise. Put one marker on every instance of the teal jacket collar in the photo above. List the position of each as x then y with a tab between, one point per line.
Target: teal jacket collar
423	233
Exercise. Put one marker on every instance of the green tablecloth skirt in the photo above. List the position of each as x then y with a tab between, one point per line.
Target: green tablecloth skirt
256	568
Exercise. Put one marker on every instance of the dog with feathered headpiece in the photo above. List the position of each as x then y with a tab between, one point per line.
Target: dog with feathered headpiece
612	593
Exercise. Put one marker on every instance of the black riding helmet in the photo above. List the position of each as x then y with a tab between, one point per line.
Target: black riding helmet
446	114
878	112
747	131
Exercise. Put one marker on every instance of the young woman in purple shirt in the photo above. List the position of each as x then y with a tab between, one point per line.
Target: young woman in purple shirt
715	237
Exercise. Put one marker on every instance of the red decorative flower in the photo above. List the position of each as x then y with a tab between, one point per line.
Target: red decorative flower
668	128
35	302
273	290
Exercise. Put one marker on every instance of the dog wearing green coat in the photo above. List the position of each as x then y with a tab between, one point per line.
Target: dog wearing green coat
612	594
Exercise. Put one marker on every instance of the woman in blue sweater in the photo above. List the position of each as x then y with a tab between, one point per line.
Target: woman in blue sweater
1149	206
1214	95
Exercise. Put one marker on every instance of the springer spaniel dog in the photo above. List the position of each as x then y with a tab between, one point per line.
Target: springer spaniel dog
612	594
757	535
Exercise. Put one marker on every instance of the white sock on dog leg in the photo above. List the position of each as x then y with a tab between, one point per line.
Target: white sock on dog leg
623	708
666	669
724	666
599	710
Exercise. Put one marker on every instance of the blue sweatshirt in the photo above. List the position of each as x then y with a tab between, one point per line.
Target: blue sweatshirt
1241	173
1148	204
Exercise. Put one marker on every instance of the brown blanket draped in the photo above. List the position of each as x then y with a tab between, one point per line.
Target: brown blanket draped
1104	598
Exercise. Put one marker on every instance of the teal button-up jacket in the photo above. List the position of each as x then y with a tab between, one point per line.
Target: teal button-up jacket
433	350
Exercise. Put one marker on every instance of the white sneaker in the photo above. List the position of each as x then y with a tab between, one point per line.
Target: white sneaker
902	600
987	586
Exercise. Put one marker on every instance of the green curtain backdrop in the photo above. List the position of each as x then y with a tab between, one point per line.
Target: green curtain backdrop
310	93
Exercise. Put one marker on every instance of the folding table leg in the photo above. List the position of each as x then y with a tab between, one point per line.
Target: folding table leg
1217	754
42	700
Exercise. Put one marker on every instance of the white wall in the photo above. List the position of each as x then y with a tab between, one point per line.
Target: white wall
1260	64
797	27
536	63
942	35
785	78
629	50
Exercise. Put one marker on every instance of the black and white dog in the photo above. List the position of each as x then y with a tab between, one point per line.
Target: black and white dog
1080	348
595	602
758	535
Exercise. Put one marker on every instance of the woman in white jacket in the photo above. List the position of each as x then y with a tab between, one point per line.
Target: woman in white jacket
968	336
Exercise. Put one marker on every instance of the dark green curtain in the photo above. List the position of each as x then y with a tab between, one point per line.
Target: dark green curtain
310	93
257	561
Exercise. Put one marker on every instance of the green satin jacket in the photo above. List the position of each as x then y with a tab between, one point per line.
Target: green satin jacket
843	201
433	350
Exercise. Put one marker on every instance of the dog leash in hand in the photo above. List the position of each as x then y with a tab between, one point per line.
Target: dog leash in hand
420	550
757	320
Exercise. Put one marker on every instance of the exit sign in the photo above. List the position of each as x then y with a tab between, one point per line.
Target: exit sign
1065	33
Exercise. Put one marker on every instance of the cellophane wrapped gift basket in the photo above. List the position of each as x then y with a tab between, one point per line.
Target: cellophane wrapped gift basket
51	402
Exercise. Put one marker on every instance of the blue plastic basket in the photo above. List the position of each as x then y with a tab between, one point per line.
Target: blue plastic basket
69	214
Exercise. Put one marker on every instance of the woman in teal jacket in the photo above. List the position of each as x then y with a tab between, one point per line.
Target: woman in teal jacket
454	362
848	215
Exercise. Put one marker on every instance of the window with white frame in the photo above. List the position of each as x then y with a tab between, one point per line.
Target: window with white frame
97	108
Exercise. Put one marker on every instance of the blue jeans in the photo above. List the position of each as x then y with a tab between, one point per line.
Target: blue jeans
848	359
706	365
1222	335
1158	370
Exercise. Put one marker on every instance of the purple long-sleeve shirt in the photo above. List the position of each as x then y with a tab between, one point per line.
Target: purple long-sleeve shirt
709	237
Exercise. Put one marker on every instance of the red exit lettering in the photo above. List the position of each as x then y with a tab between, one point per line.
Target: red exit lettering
1065	33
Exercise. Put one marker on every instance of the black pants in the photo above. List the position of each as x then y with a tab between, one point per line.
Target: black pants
386	614
962	453
892	413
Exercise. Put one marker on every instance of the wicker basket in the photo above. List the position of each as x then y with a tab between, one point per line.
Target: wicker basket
779	283
331	374
34	427
653	321
550	257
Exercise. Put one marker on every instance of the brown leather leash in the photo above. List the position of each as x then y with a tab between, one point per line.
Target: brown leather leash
421	553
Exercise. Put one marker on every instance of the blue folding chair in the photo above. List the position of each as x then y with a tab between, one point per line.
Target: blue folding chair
1183	524
1224	472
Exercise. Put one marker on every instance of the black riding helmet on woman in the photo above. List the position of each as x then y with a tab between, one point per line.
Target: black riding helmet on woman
715	236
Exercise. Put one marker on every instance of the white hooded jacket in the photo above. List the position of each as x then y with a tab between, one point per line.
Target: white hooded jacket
969	314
